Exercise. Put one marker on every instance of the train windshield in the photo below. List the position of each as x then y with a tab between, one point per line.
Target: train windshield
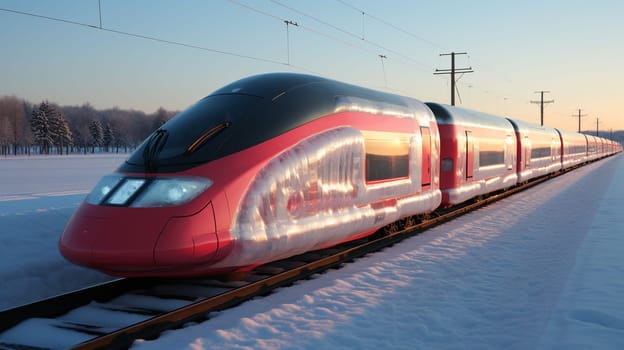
197	135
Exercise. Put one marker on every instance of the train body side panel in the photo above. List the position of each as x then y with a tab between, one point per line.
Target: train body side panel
574	150
477	155
539	150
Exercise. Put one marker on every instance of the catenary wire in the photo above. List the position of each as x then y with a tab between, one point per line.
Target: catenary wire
264	13
359	38
391	25
395	27
223	52
156	39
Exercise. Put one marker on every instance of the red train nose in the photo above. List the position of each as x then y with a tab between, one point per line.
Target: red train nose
112	237
138	241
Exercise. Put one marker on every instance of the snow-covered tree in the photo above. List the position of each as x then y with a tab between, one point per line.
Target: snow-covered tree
62	134
97	134
40	125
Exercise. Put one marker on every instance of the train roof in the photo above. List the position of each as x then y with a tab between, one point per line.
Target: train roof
525	127
274	86
446	114
258	108
268	85
571	134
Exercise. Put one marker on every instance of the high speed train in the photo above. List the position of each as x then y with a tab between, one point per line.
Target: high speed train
279	164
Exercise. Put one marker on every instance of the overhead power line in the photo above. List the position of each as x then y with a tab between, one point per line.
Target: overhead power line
391	25
286	62
499	74
327	36
156	39
336	28
313	18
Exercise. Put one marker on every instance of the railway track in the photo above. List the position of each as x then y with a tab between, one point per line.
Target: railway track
115	314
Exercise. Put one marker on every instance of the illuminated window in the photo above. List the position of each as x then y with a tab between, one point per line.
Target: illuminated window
387	155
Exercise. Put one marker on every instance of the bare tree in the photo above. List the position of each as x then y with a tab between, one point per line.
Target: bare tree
108	138
5	131
160	117
79	118
12	124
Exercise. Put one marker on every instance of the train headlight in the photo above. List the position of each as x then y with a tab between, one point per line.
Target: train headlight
125	191
139	192
103	188
170	192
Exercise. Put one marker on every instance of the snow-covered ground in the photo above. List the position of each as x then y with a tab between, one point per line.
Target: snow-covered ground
37	197
540	270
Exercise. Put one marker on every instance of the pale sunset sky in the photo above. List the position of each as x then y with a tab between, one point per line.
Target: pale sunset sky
145	54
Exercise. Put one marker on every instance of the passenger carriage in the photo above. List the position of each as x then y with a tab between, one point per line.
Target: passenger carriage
478	153
538	149
574	150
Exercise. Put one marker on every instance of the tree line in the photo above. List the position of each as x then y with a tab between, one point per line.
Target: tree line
47	128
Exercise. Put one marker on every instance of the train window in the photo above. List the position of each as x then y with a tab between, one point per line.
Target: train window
541	152
447	164
491	152
574	149
387	155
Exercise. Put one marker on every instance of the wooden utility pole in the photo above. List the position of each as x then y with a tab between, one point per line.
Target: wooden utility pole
579	118
541	102
452	72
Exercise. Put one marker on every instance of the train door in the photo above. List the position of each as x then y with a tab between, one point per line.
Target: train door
469	155
555	152
527	152
426	156
510	152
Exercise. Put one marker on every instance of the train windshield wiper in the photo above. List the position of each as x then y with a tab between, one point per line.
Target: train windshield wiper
152	148
201	140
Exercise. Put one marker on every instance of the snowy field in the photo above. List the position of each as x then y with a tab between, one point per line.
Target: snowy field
37	197
540	270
